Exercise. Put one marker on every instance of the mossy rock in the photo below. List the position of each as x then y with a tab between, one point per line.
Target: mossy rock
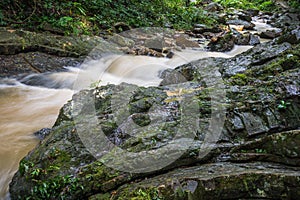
257	110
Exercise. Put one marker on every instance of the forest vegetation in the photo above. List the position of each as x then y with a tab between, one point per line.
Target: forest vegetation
96	16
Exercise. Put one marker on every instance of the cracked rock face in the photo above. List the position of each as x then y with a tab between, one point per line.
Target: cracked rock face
256	154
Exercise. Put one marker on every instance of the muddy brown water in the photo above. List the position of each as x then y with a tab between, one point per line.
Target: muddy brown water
23	111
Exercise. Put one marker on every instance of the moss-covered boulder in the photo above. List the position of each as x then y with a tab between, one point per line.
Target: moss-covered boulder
16	41
129	142
24	52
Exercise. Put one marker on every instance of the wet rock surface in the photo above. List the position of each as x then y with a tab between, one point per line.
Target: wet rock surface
253	154
24	52
245	24
222	42
285	20
271	34
254	180
17	41
34	62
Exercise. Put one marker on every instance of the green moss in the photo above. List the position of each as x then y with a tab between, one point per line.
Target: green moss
286	61
252	4
105	196
108	126
280	147
239	79
291	61
98	177
140	193
294	4
59	156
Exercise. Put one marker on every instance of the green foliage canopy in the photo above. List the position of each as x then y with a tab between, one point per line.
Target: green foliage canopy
83	17
94	16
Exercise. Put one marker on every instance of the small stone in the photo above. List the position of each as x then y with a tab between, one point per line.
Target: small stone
254	124
212	7
271	34
41	134
245	17
121	26
247	25
254	40
253	12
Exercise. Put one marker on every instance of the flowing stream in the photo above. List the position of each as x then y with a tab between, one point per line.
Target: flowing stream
26	109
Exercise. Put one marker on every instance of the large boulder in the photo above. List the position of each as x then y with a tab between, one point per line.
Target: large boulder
17	41
22	64
24	52
129	142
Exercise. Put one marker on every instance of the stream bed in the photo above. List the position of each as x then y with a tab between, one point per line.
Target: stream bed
26	109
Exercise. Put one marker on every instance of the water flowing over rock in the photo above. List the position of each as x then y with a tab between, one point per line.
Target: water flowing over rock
161	142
